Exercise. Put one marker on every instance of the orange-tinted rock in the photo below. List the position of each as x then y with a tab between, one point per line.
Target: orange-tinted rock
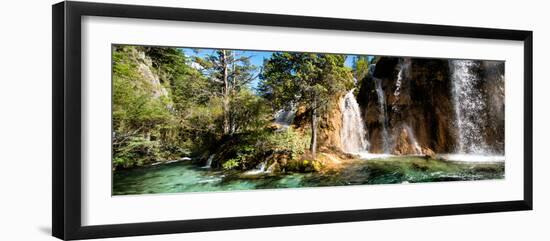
424	102
404	144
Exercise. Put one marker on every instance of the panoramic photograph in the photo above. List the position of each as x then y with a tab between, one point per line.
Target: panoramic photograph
210	120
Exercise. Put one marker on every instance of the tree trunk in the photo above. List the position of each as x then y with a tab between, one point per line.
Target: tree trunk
313	145
225	107
232	125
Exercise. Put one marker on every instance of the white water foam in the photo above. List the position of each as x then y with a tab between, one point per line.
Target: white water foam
260	169
472	158
366	155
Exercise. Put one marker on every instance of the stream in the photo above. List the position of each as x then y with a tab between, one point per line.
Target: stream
186	177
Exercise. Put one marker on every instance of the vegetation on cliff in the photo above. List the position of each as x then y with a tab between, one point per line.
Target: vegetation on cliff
167	105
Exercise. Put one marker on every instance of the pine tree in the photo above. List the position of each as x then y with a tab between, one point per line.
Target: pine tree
306	79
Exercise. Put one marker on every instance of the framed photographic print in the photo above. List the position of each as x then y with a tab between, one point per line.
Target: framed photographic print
169	120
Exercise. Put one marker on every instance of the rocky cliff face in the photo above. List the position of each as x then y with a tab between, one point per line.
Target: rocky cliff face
493	73
408	100
144	67
330	126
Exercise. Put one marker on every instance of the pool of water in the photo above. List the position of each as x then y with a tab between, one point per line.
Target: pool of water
186	177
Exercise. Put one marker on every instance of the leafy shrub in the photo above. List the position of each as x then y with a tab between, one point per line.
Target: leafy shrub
135	151
231	164
248	150
287	141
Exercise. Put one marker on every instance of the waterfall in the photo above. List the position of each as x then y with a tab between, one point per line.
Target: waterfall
260	169
209	161
412	139
370	70
382	118
353	129
469	107
401	75
262	166
284	117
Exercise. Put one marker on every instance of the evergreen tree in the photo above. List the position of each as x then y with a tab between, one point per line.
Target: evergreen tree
229	74
360	67
307	79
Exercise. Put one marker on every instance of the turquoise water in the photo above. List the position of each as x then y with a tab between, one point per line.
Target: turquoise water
186	177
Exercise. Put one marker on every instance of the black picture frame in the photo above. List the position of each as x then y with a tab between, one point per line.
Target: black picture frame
66	128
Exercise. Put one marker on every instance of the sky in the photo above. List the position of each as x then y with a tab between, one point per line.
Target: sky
256	57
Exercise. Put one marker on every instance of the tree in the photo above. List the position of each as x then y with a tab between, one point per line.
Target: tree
360	67
148	126
229	74
306	79
138	115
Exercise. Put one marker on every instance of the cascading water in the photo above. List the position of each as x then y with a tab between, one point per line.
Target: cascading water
370	70
284	117
262	166
209	161
401	75
353	134
469	107
412	139
382	118
260	169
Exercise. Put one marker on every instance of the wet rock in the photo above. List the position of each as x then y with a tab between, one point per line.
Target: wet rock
274	168
422	100
429	153
404	145
330	125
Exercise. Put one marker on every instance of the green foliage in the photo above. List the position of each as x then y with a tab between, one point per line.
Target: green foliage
250	112
166	105
187	85
136	152
240	72
244	153
306	79
229	75
232	163
163	108
138	116
201	125
303	78
305	165
287	141
249	149
360	67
